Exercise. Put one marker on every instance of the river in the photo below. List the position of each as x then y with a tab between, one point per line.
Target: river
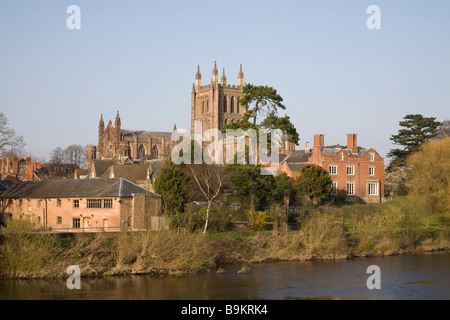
424	276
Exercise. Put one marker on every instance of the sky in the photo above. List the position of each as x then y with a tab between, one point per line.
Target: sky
336	76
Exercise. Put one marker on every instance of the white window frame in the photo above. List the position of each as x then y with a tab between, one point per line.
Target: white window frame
342	156
372	156
352	170
373	188
331	171
350	188
371	171
335	188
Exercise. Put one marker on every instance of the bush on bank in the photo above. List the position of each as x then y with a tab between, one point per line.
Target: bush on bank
326	232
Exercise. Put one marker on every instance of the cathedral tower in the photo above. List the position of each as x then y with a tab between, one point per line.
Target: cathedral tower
216	104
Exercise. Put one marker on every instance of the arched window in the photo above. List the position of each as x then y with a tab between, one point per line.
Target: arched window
232	105
109	151
207	105
155	152
237	105
203	106
141	152
225	105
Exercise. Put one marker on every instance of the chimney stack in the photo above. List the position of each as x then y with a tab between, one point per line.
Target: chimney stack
29	169
15	166
319	140
352	143
307	148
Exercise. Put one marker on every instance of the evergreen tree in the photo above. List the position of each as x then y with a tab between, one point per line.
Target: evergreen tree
314	183
417	129
170	184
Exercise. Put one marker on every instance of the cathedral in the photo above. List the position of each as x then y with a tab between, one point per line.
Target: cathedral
215	104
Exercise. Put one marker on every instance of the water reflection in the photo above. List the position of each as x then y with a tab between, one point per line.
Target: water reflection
404	277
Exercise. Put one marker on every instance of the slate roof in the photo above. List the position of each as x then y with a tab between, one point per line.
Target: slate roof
146	134
296	166
100	166
87	188
5	184
297	156
133	173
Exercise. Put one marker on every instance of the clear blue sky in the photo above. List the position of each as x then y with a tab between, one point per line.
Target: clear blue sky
140	57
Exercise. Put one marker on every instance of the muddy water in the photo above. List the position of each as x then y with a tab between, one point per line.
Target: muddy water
424	276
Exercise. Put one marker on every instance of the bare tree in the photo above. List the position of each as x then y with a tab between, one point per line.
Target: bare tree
9	141
445	129
57	156
209	179
73	154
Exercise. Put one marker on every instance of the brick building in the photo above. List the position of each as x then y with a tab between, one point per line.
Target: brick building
356	172
15	169
92	205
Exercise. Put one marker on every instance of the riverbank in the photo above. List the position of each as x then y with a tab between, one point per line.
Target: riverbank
322	237
327	233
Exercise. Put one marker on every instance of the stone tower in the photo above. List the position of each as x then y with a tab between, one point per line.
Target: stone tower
216	104
91	155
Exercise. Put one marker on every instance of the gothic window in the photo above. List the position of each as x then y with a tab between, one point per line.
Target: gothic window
203	106
224	104
155	152
207	105
232	105
110	151
237	105
141	152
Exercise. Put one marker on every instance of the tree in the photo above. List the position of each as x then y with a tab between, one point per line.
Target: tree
9	141
260	99
395	182
75	154
170	184
262	103
429	174
248	181
210	180
314	183
445	129
57	156
417	130
282	195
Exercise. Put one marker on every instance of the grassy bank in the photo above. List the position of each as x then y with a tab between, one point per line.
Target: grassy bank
329	232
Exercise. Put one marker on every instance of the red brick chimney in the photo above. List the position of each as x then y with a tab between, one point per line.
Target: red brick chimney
351	142
3	166
8	165
15	166
319	143
319	140
29	169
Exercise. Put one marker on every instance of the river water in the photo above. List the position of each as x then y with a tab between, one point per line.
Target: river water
424	276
